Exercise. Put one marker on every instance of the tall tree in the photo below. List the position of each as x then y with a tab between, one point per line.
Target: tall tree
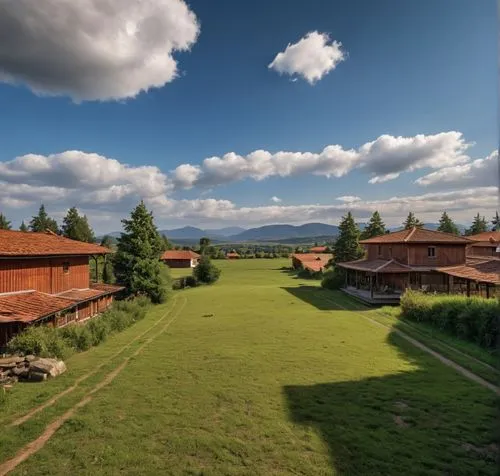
77	227
204	244
479	225
347	247
496	222
137	259
375	227
107	241
23	227
166	244
42	222
412	221
4	223
446	225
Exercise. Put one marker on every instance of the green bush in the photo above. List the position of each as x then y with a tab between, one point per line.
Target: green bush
474	319
206	272
333	278
305	273
78	337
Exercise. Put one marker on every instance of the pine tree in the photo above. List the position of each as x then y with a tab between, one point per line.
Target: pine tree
137	259
166	244
107	272
204	244
496	222
347	247
77	227
4	223
23	227
446	225
42	222
479	225
375	227
412	221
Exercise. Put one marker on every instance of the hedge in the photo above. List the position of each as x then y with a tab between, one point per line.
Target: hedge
46	341
474	319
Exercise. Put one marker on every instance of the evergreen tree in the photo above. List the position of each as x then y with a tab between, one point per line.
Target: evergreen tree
446	225
107	272
4	223
136	261
375	227
496	222
77	227
23	227
204	244
166	244
347	247
206	272
479	225
42	222
107	241
412	221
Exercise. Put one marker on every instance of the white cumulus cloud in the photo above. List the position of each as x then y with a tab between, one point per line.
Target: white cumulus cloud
348	198
311	57
93	49
276	199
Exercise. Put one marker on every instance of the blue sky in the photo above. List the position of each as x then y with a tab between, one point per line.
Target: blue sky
408	69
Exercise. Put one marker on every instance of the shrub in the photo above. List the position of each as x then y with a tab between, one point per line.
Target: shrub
78	337
474	319
305	273
333	278
190	282
206	272
33	340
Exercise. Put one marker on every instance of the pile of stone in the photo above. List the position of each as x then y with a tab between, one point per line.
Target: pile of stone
29	368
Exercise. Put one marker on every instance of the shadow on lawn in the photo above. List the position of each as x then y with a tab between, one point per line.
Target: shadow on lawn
318	297
423	422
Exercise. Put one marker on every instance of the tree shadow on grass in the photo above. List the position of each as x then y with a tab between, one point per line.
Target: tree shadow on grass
428	421
314	295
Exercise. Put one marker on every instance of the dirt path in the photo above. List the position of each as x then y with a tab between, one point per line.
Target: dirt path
450	363
79	380
37	444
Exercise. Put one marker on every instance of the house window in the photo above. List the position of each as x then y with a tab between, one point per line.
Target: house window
380	250
66	267
431	252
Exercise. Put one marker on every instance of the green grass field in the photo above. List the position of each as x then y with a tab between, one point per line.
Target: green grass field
260	374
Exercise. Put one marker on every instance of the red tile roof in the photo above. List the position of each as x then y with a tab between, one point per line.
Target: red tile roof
179	255
318	249
488	238
18	243
376	266
417	235
314	262
232	255
95	291
484	272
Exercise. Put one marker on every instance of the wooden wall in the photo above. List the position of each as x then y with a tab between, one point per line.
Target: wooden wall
44	274
178	263
482	251
446	255
397	251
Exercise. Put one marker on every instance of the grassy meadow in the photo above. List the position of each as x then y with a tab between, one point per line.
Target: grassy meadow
259	374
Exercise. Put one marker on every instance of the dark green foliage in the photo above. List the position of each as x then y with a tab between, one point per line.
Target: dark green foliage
185	282
108	276
206	272
446	225
347	247
136	261
474	319
77	227
42	222
4	223
479	225
375	227
495	222
333	278
47	341
412	221
204	244
306	273
166	244
23	227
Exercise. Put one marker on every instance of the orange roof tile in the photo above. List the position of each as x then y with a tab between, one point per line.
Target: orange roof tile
491	236
318	249
417	235
18	243
484	272
313	256
179	254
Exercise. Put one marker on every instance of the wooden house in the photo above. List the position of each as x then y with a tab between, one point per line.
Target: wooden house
485	244
232	255
404	259
45	278
312	261
180	258
318	249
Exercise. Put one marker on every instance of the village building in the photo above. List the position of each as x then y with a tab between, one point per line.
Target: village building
314	262
232	255
318	249
180	258
420	259
485	244
45	279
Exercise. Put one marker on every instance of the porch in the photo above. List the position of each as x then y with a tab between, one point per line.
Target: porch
373	298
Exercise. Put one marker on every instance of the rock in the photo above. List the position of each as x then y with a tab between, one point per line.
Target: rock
10	360
50	367
34	376
21	372
30	358
9	365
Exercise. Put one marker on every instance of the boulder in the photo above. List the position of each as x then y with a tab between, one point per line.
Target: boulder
50	367
29	358
34	376
5	361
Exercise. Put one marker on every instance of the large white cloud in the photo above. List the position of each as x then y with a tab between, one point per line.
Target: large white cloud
383	159
93	49
476	173
311	57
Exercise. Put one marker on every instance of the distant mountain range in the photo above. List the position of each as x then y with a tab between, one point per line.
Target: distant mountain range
307	233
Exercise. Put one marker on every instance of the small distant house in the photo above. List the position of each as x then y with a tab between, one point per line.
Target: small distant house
318	249
180	258
232	255
312	261
45	279
485	244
